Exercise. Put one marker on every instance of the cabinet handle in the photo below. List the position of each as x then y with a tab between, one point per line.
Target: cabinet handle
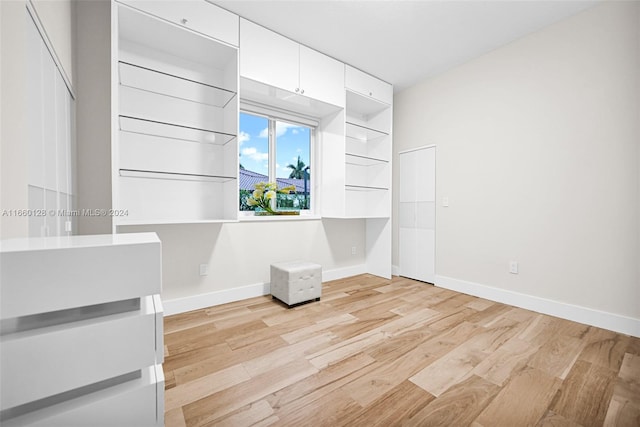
370	93
297	89
302	91
184	21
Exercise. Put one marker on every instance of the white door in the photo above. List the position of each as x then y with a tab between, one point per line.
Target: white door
417	214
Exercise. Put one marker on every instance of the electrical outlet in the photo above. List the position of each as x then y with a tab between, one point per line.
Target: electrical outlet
353	250
204	269
513	267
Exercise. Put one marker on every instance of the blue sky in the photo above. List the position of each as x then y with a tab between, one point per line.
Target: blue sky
291	141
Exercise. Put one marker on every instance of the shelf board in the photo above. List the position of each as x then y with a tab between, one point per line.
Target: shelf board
174	131
364	188
363	133
359	160
132	173
363	105
159	82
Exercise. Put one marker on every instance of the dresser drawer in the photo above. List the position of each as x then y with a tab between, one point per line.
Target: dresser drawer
43	362
138	401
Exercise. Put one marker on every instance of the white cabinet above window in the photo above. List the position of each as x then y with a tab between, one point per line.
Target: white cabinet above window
197	15
273	60
367	85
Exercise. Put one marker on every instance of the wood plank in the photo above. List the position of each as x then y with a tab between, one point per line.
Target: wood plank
217	405
502	364
578	400
557	355
401	402
522	402
624	409
174	418
604	348
250	415
195	390
335	406
323	382
385	377
447	371
458	406
551	419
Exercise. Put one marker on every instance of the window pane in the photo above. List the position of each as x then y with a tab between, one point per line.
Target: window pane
254	155
293	164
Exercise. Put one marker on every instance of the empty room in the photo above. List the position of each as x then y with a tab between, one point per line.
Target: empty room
319	213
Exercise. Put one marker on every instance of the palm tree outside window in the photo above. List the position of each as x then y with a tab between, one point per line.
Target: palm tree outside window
278	151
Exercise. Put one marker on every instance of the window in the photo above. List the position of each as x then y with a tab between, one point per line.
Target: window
275	150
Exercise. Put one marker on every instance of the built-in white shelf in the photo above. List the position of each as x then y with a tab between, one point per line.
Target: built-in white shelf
175	131
364	105
148	79
174	176
351	187
175	117
363	133
360	160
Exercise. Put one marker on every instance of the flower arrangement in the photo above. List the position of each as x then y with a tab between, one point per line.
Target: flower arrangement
265	192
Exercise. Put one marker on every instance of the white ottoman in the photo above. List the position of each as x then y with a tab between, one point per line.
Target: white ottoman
295	282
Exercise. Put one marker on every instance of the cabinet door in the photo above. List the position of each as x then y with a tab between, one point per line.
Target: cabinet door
268	57
321	77
368	85
197	15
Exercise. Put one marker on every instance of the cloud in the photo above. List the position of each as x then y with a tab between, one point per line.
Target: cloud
281	129
244	136
254	154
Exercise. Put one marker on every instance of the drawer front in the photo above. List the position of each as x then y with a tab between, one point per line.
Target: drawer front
367	85
43	362
138	402
197	15
40	281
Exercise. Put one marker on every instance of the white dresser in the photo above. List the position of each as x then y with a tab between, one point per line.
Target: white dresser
81	331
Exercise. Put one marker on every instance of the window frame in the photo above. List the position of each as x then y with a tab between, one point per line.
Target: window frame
274	115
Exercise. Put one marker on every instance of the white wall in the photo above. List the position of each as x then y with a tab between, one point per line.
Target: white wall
93	105
239	254
13	126
539	155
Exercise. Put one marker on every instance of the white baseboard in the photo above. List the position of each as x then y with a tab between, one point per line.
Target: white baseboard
589	316
210	299
341	273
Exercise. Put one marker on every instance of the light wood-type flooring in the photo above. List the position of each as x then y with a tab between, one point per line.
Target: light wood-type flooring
376	352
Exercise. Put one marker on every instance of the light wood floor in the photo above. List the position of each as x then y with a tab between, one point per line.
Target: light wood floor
375	352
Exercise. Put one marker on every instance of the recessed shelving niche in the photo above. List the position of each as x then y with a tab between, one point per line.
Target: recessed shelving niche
176	123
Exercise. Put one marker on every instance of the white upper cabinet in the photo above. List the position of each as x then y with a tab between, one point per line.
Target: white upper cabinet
268	57
197	15
277	61
321	77
367	85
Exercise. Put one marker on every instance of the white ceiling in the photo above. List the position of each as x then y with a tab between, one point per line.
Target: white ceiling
404	41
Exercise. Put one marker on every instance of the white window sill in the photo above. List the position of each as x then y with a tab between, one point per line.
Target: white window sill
252	218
